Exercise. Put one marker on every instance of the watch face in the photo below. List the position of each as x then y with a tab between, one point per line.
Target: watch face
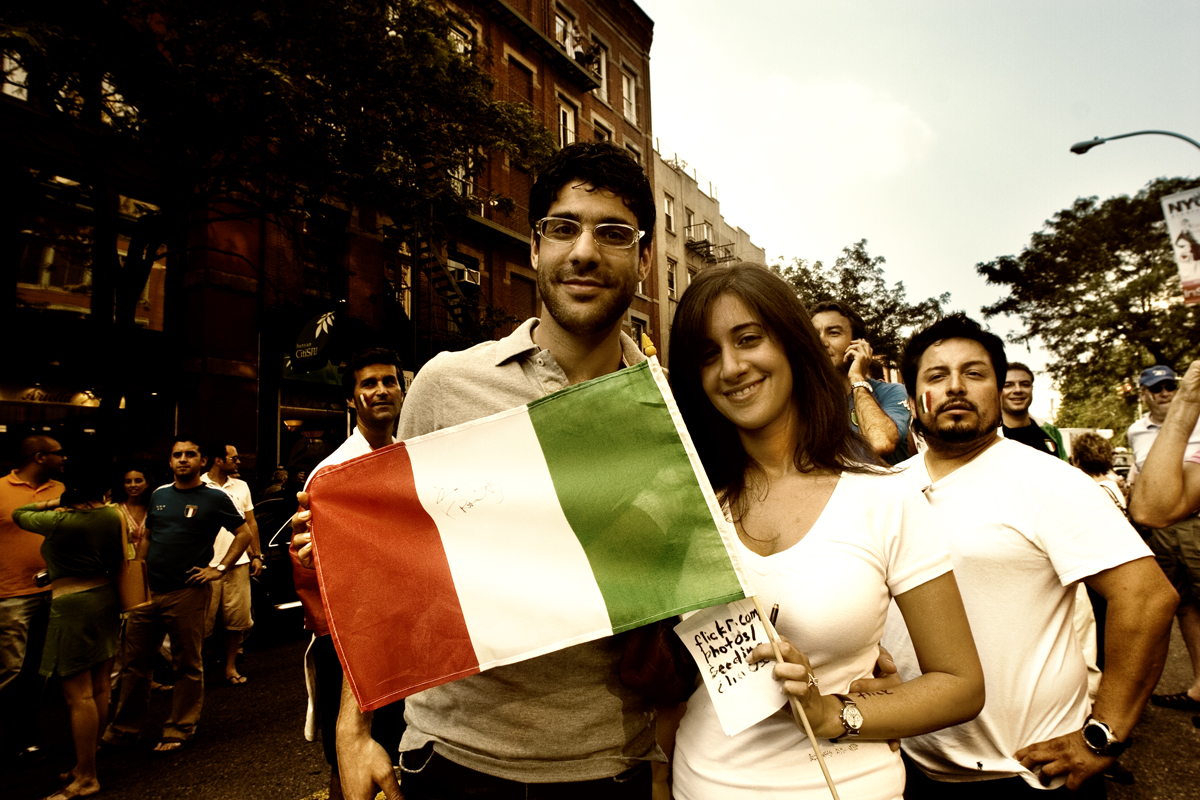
853	717
1095	736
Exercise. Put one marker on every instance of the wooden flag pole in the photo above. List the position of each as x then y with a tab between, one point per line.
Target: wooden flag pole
797	709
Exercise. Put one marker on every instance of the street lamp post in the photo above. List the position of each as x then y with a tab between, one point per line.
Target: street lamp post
1079	148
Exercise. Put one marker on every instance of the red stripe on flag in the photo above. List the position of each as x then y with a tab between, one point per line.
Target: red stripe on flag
388	591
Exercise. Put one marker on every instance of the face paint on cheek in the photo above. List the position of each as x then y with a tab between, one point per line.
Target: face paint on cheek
926	402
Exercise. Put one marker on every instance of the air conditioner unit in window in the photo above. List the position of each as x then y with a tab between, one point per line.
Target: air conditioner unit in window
464	275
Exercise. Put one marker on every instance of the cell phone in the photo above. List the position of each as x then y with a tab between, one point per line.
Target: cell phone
42	578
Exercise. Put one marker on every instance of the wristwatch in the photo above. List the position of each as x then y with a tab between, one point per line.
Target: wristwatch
220	567
862	385
1100	740
852	718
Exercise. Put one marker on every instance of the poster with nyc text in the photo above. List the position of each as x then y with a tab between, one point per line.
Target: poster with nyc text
1182	211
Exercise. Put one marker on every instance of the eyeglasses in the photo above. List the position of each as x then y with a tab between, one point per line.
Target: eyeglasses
59	452
606	234
1165	386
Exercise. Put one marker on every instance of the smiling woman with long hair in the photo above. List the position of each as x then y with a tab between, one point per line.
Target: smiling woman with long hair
826	533
132	498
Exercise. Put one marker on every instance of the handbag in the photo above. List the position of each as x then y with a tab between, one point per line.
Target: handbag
133	576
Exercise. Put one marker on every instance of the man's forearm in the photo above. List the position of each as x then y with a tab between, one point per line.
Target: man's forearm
352	721
1141	605
255	542
241	540
874	424
1158	497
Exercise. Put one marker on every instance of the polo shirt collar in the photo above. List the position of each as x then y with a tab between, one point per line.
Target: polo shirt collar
517	343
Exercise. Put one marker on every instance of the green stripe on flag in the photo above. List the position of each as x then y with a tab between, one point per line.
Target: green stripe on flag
627	487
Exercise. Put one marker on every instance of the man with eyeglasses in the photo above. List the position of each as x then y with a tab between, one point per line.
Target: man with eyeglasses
24	605
230	596
564	721
1166	446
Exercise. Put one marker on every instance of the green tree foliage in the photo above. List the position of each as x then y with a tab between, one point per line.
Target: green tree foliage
1099	287
274	104
246	110
856	279
261	109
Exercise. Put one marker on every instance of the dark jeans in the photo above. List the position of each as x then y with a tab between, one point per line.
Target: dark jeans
921	787
429	776
387	723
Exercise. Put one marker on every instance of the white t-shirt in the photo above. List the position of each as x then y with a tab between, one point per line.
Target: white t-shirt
1022	530
239	492
1142	434
875	539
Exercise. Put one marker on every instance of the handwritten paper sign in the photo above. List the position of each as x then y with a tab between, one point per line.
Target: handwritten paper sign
720	640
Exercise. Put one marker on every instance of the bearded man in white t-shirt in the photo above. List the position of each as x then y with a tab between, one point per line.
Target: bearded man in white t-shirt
1023	530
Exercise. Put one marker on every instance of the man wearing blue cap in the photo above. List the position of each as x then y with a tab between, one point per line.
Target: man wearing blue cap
1156	388
1175	546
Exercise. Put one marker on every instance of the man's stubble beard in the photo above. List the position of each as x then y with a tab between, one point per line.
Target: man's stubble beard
596	317
958	435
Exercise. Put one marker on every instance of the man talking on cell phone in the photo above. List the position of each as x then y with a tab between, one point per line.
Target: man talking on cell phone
878	410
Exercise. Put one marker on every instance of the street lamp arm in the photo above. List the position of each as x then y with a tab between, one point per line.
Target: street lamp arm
1079	148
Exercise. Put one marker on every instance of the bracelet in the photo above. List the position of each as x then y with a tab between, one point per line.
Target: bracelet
861	385
260	558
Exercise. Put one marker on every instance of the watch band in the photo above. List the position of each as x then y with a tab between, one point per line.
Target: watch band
851	717
861	385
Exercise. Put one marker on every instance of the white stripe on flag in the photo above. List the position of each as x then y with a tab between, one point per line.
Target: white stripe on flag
490	522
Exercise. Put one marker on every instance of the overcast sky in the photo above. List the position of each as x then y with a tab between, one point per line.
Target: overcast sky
938	131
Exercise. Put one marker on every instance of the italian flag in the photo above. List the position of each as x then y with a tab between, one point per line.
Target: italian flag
580	515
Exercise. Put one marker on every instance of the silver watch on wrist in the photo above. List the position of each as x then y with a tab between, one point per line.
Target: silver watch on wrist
1100	739
852	718
220	567
862	385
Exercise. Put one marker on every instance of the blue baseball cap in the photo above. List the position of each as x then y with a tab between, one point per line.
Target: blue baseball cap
1152	376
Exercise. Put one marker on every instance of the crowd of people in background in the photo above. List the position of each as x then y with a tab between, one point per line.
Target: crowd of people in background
67	522
951	573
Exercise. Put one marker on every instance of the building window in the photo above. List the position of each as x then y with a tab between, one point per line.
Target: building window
54	254
669	212
462	39
692	272
397	273
562	30
689	219
672	266
566	123
524	296
637	154
602	133
520	82
567	33
629	96
600	67
637	328
14	77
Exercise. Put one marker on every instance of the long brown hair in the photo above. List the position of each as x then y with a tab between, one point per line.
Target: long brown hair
826	440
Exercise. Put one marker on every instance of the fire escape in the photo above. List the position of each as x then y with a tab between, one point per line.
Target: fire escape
455	284
701	240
